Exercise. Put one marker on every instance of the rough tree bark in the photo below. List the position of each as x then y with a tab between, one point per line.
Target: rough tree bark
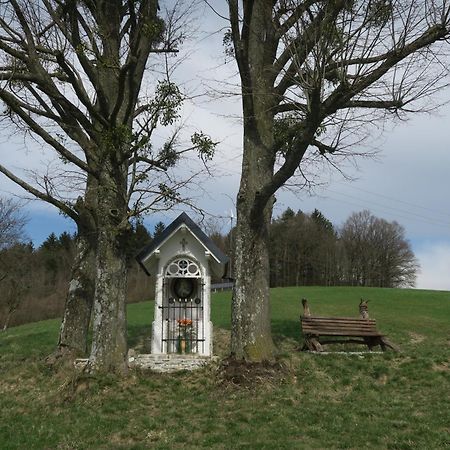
109	341
73	335
251	336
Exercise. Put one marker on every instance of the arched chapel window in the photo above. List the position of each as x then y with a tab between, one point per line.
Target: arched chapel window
183	267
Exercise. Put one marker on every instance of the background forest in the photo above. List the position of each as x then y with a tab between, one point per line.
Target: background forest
305	249
34	281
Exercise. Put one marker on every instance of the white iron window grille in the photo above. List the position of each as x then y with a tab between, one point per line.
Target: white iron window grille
183	267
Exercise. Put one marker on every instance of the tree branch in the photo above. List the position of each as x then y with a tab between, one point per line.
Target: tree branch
297	12
344	93
323	148
291	106
12	103
297	51
391	105
41	195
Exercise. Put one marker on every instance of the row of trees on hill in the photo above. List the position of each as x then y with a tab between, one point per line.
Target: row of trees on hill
306	249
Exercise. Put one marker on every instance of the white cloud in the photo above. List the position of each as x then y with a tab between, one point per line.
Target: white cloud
435	266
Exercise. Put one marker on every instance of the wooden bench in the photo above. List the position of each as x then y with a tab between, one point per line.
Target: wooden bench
319	330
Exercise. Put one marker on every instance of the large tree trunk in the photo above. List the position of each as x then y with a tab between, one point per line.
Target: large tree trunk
251	330
73	335
109	340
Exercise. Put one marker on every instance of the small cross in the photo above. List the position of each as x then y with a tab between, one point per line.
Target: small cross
183	243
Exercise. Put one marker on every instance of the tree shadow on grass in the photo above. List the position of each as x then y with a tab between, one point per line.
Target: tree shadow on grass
286	334
287	329
137	334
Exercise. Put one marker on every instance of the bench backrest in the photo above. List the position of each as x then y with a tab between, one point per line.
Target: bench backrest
339	326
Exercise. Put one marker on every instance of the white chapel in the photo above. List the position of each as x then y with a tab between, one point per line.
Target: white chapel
182	259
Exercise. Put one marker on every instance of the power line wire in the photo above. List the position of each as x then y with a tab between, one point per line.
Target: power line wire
415	205
363	204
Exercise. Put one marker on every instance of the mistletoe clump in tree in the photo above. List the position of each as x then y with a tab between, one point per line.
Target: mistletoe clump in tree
312	74
73	74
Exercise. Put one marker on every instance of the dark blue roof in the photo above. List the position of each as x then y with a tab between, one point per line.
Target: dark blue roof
183	218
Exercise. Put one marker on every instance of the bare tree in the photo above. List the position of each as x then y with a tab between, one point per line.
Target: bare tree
377	252
13	267
72	74
15	278
12	222
312	73
355	238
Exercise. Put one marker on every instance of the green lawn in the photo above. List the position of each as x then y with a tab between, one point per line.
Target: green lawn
385	401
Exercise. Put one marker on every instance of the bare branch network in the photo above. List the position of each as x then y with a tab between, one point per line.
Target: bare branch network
330	69
77	89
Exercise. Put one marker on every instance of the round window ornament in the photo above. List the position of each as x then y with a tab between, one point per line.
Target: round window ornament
183	287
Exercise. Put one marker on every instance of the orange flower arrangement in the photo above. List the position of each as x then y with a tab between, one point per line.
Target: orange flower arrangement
185	336
184	322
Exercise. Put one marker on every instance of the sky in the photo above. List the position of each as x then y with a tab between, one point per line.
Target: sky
408	181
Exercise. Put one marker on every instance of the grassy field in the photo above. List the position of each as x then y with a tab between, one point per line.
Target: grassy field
374	401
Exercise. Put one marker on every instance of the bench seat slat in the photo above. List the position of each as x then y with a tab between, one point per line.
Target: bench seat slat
338	323
340	333
341	330
337	319
339	326
319	323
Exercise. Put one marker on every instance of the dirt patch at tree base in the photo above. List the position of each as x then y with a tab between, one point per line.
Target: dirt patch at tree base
240	373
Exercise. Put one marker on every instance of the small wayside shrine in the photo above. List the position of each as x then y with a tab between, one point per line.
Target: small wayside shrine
183	259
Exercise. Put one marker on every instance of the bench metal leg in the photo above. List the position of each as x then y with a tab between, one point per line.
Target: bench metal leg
312	344
387	343
371	342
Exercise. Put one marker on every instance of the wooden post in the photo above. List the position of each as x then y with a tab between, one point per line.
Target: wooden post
363	309
306	311
382	340
311	342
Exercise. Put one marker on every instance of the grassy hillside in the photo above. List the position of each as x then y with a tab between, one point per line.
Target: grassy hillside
398	401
